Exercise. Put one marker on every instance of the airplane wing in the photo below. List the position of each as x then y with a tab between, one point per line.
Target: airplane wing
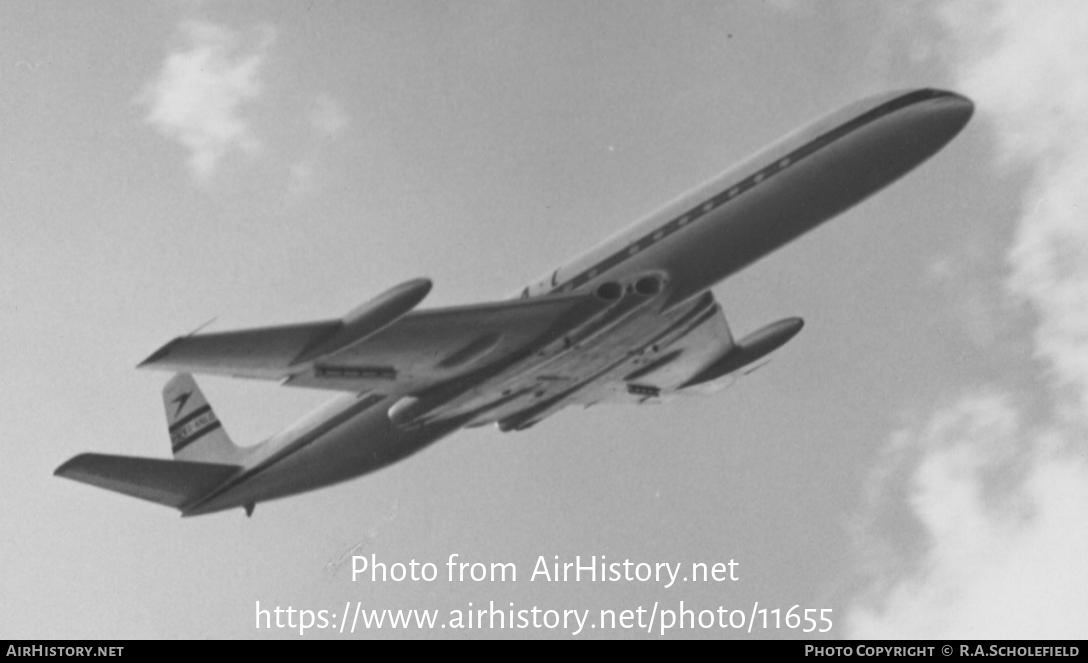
264	353
694	340
418	350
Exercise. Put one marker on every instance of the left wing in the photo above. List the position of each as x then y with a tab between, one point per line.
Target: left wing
418	350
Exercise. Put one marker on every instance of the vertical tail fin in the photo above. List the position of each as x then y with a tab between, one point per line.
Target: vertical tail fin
195	431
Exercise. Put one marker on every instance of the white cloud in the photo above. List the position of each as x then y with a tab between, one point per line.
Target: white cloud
303	176
327	120
199	95
1024	65
1002	510
327	117
978	303
1002	505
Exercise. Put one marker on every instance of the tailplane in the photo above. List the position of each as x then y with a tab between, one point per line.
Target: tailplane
169	482
195	431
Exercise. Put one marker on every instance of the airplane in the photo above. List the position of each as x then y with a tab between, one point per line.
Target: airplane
630	321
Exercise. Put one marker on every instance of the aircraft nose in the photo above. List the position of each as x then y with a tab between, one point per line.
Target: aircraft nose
954	109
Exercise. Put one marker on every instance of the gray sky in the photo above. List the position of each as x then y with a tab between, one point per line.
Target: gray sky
915	460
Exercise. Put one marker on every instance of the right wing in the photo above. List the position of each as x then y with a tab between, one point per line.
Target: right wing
419	350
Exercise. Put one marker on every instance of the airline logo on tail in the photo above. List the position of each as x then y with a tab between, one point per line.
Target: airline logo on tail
192	426
181	401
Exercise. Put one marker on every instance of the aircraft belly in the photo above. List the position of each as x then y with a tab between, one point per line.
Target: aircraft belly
570	370
639	342
361	438
360	445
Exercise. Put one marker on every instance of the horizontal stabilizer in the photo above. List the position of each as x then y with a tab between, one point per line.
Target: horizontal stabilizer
169	482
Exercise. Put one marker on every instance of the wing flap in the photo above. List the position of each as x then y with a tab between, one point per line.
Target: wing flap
168	482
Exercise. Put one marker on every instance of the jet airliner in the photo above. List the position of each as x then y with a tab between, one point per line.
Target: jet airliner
632	320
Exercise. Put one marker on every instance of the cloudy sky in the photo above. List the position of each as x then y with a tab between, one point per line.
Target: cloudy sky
915	460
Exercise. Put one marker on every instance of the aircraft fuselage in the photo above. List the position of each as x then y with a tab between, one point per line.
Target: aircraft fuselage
654	277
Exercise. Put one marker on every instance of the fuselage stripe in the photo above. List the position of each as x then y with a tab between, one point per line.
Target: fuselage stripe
189	417
181	444
763	175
